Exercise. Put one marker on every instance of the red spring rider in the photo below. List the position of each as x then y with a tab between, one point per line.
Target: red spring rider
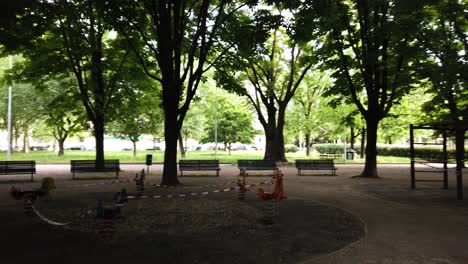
278	191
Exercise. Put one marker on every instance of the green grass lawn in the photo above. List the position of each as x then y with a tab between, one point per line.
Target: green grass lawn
127	156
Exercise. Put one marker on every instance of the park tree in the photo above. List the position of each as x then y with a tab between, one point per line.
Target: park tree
234	124
25	112
307	100
267	66
55	101
71	36
371	44
408	111
444	41
193	125
139	112
181	43
63	111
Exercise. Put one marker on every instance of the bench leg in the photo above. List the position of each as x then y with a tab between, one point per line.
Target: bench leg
217	173
299	172
117	174
73	175
32	179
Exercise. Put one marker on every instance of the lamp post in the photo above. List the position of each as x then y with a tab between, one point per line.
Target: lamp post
344	144
216	124
8	154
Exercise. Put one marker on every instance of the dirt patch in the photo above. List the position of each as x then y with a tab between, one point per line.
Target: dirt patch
215	228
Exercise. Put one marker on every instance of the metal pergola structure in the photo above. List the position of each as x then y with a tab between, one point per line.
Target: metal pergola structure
431	159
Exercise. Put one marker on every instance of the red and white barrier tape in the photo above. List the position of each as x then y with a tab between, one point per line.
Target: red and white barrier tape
132	197
190	187
97	183
45	219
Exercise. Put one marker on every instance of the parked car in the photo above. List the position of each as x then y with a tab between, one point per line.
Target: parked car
219	148
33	148
154	148
240	147
75	148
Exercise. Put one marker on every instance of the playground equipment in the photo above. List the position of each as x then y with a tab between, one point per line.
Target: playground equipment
241	184
270	209
140	181
30	196
428	159
106	217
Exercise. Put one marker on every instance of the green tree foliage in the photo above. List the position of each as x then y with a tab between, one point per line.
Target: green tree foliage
63	112
71	37
306	103
234	123
445	42
408	111
267	67
372	46
182	41
444	39
139	112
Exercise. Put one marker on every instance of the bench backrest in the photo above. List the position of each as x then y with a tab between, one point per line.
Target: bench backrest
112	164
18	166
256	164
198	163
318	163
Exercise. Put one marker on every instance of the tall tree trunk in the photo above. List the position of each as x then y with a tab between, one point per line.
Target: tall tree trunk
460	157
134	148
170	153
181	146
171	132
25	141
363	142
370	168
280	154
307	142
274	147
352	137
61	151
99	137
270	134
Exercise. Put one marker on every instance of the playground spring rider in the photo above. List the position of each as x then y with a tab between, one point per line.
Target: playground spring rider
241	185
270	209
140	181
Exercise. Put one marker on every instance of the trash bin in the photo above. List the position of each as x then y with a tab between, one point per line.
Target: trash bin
350	154
149	159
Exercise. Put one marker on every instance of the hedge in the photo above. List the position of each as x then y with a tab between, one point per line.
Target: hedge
391	150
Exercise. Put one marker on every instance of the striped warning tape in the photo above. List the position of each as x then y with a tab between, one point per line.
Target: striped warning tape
97	183
191	187
132	197
45	219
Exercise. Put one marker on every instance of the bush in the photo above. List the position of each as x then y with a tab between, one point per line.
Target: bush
329	148
430	152
291	148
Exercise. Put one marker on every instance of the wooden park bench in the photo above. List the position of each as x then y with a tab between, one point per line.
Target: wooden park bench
199	165
320	164
331	155
79	166
257	165
18	167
